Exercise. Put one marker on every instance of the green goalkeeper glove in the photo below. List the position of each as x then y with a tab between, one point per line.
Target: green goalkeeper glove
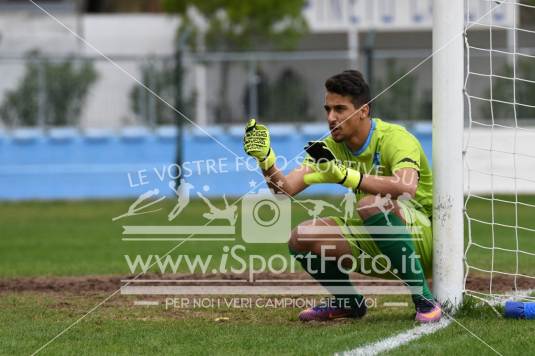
328	169
256	143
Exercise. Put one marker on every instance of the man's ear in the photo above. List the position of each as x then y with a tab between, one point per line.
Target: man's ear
364	111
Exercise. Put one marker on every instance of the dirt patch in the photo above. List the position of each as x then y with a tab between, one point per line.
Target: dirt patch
500	283
111	283
61	284
89	284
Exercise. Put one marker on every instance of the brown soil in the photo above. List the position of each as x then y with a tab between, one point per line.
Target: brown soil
500	283
89	284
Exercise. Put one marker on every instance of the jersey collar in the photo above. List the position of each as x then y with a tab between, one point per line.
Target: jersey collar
367	142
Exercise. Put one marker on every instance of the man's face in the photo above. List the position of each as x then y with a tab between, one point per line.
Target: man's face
338	108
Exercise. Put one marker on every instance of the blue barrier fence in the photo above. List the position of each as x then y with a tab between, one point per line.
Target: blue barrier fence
66	164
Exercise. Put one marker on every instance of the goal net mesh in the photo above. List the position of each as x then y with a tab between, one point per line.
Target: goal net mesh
499	149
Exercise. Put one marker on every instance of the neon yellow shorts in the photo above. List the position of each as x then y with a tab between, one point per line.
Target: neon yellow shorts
361	242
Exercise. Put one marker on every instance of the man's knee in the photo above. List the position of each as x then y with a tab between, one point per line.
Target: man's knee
305	238
294	244
298	242
318	241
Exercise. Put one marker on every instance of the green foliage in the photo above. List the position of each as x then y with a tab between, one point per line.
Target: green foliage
284	100
63	87
233	25
239	25
289	98
507	90
263	95
159	76
401	101
527	14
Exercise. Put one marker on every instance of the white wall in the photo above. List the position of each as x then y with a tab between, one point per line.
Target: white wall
122	35
114	35
130	34
391	15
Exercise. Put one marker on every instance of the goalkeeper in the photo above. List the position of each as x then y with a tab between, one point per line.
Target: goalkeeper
386	167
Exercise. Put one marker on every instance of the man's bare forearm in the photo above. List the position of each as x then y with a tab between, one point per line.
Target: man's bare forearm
276	180
290	184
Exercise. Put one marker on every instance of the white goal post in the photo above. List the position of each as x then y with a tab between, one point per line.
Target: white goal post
484	175
448	122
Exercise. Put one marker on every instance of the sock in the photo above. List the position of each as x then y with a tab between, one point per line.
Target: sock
399	250
331	272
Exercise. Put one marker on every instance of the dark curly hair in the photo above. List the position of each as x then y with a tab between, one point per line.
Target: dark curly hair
350	83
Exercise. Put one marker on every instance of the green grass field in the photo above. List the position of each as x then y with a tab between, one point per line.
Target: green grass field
60	239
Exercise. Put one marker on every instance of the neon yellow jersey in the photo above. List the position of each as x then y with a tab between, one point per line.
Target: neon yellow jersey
388	148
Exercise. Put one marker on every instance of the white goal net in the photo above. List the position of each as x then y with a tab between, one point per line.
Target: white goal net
499	150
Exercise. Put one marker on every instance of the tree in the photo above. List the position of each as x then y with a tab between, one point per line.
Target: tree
402	101
55	91
263	94
289	98
527	15
161	77
234	25
505	90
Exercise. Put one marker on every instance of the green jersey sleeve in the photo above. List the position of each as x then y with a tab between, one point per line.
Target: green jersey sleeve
401	150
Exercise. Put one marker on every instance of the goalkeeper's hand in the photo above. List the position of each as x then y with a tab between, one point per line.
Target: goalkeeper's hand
256	143
328	169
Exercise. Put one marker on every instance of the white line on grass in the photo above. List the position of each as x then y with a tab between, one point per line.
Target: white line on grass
399	339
